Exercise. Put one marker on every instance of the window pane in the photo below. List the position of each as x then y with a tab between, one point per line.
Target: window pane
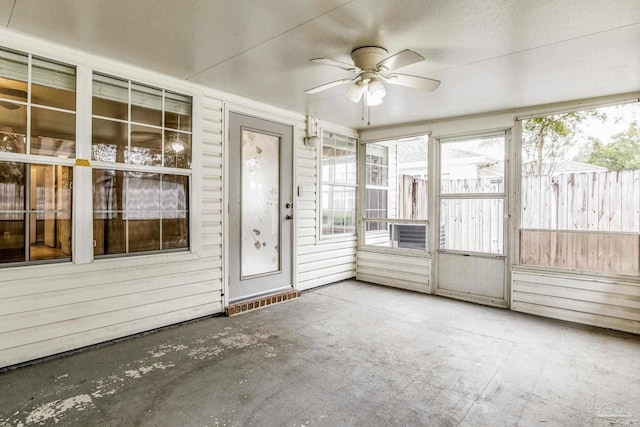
260	231
53	133
175	216
142	201
144	234
339	166
177	150
110	97
475	225
13	76
338	210
109	227
12	199
177	114
12	243
109	141
53	84
146	146
472	166
108	188
109	231
146	105
580	198
13	127
50	217
391	235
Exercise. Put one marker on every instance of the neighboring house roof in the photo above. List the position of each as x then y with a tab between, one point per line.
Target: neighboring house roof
574	167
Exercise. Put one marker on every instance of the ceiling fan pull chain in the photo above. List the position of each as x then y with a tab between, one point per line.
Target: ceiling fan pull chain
368	116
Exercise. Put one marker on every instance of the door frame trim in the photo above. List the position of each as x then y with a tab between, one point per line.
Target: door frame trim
292	121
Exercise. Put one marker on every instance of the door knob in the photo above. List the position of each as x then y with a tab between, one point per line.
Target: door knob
289	217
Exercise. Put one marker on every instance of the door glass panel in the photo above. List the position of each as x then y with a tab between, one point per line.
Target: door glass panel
474	225
472	166
260	212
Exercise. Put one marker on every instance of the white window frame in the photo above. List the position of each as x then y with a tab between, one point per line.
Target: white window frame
158	169
322	183
363	219
55	80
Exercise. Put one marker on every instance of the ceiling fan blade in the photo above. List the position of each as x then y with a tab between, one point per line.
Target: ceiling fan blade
13	92
399	60
338	64
9	105
327	86
415	82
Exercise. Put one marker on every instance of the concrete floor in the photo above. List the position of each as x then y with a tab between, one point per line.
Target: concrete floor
346	354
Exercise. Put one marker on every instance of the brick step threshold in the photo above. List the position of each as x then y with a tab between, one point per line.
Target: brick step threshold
255	304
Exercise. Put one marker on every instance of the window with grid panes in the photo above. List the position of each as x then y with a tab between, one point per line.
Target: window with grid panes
141	151
339	182
377	181
37	148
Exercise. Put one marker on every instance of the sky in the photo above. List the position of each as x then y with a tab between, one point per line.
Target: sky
618	119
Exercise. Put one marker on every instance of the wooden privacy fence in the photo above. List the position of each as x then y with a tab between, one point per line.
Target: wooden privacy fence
597	201
585	221
605	252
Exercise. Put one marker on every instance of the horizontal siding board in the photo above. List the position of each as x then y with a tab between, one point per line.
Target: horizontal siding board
399	276
578	317
379	257
324	280
598	302
321	256
337	268
326	263
77	325
626	288
67	296
578	305
397	270
93	307
60	344
52	283
386	281
326	247
609	298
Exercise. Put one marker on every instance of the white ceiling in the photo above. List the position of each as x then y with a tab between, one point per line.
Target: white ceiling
489	54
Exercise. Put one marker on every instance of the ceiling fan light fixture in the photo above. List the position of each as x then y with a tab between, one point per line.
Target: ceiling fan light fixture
355	92
375	93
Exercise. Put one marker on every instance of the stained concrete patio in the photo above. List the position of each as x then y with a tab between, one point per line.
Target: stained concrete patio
346	354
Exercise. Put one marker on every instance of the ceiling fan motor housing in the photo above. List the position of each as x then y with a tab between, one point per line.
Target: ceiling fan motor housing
366	58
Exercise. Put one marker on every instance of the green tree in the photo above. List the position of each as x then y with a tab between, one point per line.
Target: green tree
546	140
622	153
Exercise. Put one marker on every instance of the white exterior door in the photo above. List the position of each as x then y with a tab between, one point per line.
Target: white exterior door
472	208
260	206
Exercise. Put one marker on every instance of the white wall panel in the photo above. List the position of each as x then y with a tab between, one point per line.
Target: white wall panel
397	270
318	261
582	299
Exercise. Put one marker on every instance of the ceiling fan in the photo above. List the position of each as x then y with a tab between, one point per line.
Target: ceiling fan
372	67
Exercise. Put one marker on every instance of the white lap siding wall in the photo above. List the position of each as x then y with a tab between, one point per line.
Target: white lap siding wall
319	261
47	309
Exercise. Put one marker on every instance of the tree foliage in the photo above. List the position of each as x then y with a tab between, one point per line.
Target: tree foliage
546	140
622	153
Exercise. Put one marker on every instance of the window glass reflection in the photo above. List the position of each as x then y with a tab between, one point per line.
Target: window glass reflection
53	133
